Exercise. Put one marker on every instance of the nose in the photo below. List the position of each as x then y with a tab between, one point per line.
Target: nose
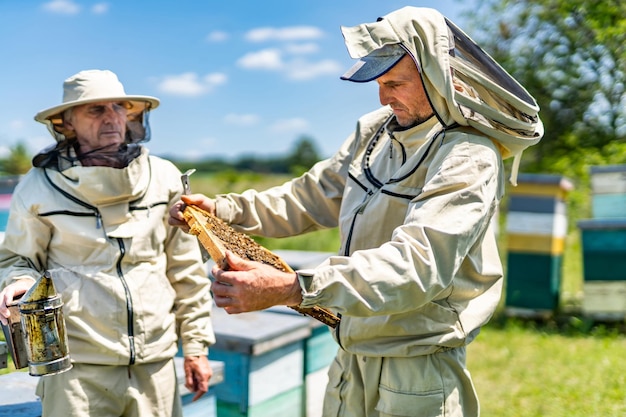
109	114
383	95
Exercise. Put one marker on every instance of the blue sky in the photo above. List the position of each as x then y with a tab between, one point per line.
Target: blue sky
234	77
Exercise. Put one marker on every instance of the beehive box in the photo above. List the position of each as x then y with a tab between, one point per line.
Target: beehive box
608	179
320	349
263	356
536	229
604	249
608	186
605	299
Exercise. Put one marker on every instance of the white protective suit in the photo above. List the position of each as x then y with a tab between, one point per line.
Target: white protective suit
130	283
418	271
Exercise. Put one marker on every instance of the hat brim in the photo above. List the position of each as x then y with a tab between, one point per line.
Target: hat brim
372	66
54	113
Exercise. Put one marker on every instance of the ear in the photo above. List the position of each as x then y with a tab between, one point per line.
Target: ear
68	125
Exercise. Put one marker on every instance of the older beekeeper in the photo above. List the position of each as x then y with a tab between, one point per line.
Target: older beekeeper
94	212
413	190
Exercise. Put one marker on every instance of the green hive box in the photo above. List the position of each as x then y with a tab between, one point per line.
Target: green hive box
604	249
533	281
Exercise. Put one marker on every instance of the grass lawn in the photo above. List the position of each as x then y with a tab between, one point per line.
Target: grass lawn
523	370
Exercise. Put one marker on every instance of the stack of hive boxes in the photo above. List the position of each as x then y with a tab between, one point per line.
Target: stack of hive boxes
604	244
536	230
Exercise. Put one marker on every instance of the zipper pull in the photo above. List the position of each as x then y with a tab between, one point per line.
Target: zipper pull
361	208
391	139
98	220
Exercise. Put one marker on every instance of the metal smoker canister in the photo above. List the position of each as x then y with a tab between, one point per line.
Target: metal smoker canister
44	325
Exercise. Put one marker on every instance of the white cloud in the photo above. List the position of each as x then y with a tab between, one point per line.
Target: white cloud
284	34
190	84
215	78
62	7
100	8
265	59
304	70
295	124
302	48
217	36
286	58
294	69
242	119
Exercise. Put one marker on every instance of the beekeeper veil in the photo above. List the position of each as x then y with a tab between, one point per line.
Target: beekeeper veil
465	85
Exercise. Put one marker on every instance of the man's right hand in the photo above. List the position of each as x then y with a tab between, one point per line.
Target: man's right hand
9	293
176	211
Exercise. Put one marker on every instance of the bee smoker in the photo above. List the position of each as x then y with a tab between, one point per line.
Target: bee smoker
42	334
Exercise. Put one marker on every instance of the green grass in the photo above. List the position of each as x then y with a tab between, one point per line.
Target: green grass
526	370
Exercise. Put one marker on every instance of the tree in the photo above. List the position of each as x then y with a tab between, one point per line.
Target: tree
571	56
303	156
18	162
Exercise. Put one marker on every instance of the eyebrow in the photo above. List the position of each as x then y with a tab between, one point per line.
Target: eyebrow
395	81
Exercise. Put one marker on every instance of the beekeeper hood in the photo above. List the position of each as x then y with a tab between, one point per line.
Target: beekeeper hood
464	84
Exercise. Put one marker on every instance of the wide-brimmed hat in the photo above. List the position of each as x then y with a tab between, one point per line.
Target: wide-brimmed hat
92	86
375	64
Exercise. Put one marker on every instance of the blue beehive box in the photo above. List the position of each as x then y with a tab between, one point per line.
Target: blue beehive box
320	349
263	356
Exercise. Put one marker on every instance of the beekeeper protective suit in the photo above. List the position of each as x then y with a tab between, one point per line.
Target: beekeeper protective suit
133	287
418	272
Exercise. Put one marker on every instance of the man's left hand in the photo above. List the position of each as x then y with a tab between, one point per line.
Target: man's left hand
197	374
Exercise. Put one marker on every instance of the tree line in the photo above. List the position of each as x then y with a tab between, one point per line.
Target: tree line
303	155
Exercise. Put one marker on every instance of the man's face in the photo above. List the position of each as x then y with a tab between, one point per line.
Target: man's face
98	124
402	89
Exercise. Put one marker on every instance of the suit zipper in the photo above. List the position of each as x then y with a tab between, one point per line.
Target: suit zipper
129	302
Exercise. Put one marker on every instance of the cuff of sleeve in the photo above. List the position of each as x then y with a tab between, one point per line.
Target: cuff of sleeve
305	277
195	349
223	210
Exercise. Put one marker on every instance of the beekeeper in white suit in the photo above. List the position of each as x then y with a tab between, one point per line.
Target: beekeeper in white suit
413	191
